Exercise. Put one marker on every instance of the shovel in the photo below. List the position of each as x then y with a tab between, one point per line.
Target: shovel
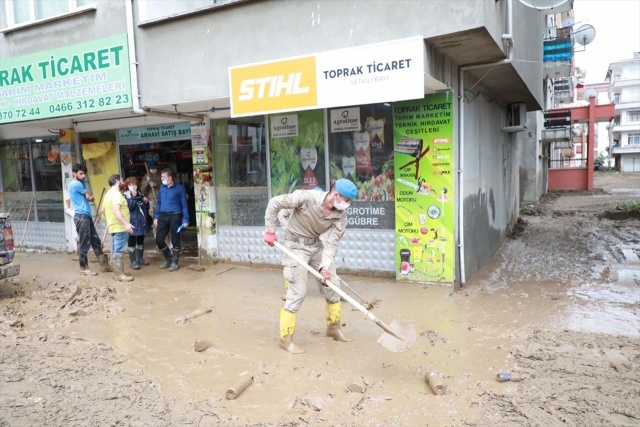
199	267
392	340
368	305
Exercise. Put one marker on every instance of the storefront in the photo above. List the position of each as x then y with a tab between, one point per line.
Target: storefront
369	114
343	114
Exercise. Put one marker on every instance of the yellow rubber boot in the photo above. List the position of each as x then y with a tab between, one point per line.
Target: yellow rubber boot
332	314
287	328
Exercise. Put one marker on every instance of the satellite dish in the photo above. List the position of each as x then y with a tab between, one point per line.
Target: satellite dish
573	81
590	93
585	34
542	4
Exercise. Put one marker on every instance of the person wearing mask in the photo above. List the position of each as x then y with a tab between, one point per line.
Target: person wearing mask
313	214
138	206
150	186
171	214
87	235
117	215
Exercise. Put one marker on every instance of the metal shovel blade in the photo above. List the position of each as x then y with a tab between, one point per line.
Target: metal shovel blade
394	344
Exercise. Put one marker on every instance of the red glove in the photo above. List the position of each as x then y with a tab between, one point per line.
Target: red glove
269	238
326	275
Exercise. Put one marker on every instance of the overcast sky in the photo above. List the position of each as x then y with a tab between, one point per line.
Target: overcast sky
617	24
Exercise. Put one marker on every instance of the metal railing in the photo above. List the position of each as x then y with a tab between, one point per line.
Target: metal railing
567	163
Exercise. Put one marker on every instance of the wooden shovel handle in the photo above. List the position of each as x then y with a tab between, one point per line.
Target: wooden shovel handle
339	291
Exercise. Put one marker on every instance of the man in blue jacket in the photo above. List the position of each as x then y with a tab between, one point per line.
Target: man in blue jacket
172	212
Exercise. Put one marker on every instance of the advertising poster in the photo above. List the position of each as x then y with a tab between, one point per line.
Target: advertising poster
203	183
361	150
424	166
297	151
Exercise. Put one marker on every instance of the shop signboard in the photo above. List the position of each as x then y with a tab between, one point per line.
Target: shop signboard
381	72
168	131
84	78
284	126
345	119
423	148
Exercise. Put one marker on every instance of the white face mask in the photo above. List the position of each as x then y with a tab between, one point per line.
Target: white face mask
133	187
340	205
153	170
165	181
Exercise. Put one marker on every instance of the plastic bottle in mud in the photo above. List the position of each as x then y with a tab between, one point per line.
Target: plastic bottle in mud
504	377
435	383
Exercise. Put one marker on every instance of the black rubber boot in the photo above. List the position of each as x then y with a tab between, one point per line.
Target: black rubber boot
167	258
134	259
139	255
174	260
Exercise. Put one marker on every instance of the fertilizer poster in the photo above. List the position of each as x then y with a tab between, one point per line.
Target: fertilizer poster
423	166
203	184
297	151
361	150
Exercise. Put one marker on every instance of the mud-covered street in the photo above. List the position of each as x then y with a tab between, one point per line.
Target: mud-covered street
559	306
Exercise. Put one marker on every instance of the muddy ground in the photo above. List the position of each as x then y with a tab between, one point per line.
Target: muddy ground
559	305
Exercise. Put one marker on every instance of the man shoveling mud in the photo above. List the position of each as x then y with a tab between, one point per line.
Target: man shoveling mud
314	213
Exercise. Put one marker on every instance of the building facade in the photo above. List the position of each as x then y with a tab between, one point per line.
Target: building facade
624	92
119	83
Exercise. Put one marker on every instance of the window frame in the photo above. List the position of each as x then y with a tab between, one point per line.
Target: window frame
633	116
147	21
74	9
635	137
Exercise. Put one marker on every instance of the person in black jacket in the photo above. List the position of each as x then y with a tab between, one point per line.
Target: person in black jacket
139	209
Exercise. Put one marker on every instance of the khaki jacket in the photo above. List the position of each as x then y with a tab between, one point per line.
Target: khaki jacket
307	221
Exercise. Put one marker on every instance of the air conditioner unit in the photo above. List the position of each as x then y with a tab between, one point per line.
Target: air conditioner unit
516	118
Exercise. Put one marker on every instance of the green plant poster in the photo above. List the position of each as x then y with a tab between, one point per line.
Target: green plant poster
423	171
361	150
296	145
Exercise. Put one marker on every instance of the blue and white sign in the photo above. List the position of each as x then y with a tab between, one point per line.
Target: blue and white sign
170	131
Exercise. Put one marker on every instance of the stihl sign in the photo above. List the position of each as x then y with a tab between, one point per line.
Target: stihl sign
383	72
271	87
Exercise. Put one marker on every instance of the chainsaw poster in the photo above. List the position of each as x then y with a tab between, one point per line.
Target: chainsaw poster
423	170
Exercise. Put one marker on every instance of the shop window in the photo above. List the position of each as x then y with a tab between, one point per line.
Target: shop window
361	149
296	147
31	168
240	171
19	12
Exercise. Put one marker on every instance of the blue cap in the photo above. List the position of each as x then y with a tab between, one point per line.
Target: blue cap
346	188
152	163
